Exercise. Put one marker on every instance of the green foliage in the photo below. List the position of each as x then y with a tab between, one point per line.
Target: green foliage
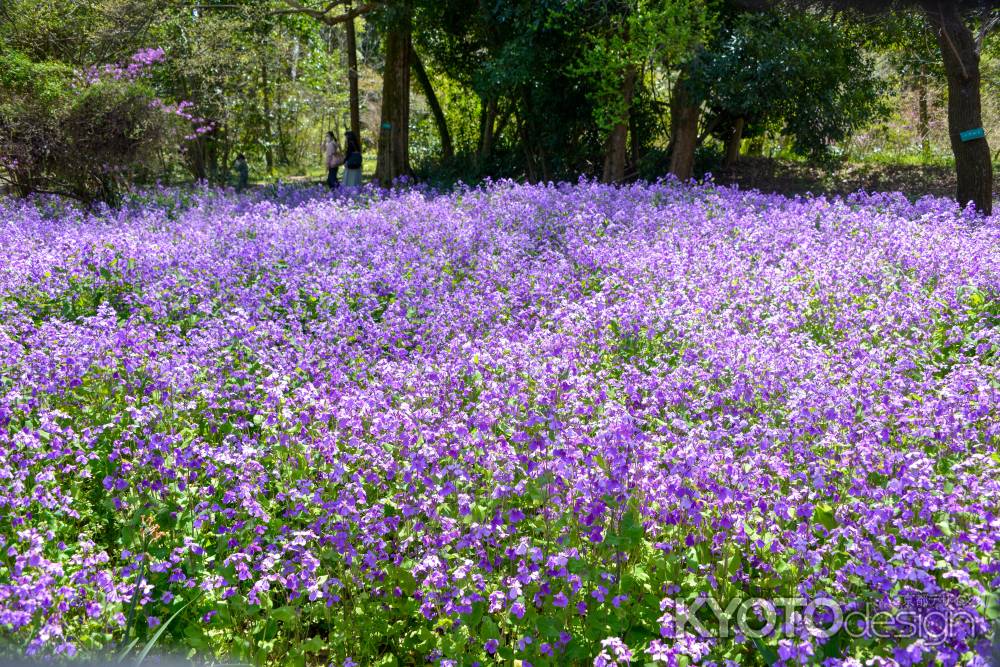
72	31
551	78
640	35
906	40
269	85
798	74
515	57
45	81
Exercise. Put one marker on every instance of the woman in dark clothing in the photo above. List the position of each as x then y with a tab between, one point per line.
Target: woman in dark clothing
352	161
242	172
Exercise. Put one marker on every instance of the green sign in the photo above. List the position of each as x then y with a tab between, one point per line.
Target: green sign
386	125
970	135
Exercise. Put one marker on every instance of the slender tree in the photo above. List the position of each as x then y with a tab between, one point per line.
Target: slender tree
354	96
923	113
447	146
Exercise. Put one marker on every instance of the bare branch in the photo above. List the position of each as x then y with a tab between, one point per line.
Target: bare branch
990	20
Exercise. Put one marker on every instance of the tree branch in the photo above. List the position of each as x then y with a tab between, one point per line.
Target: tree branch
709	128
988	24
323	15
942	26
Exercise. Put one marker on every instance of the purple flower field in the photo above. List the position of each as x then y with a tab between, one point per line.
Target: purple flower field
564	425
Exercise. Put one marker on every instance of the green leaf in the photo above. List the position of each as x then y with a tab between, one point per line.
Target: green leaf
766	652
312	645
128	649
478	609
196	637
166	519
407	582
549	627
159	631
284	614
824	514
993	606
489	629
631	529
135	598
733	563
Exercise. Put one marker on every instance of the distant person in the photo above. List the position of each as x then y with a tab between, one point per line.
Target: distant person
242	172
352	161
334	158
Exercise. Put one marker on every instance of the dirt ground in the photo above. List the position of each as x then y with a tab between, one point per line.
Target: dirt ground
770	175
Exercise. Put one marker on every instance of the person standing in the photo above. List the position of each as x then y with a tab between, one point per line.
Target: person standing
242	172
333	159
352	161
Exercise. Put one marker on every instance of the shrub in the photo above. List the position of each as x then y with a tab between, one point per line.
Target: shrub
78	135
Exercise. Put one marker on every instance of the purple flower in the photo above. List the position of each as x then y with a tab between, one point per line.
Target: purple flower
452	404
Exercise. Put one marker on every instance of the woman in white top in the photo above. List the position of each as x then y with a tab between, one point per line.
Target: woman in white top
333	159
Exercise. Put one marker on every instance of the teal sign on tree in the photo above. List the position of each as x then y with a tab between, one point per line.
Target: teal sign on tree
970	135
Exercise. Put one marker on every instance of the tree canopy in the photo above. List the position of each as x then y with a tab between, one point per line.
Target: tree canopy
539	89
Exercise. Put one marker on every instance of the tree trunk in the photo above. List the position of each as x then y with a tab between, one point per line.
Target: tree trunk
394	130
961	65
212	152
352	77
195	152
633	131
269	145
684	115
923	121
280	135
447	148
487	128
617	154
501	125
733	144
227	147
529	157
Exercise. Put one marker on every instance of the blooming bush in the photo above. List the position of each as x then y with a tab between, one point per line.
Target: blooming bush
88	133
514	423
